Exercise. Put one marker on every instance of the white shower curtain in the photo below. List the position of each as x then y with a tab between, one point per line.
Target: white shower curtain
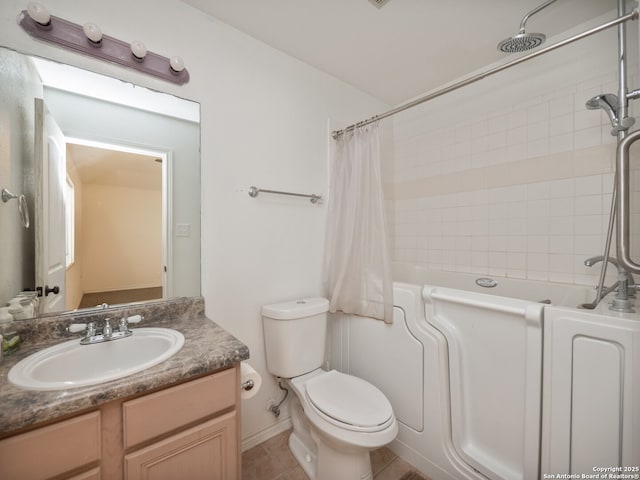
357	267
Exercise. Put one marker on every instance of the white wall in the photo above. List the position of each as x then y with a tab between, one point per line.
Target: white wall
264	122
122	238
511	176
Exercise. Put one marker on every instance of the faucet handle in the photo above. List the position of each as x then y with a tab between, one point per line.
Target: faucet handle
107	330
88	328
135	319
76	327
124	326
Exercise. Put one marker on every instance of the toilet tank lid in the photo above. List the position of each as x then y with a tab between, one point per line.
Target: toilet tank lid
304	307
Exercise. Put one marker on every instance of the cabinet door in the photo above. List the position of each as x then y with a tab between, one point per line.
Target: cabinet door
205	452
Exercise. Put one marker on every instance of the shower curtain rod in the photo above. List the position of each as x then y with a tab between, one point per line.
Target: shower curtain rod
633	15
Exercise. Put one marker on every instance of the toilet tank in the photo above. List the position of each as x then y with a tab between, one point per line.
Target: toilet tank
294	336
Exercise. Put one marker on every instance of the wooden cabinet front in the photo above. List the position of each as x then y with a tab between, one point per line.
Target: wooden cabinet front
204	452
64	447
186	431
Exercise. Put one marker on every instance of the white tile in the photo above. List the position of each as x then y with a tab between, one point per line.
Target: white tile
561	226
538	262
588	245
561	124
516	135
560	143
588	137
538	225
517	118
561	188
516	273
517	226
561	207
538	277
561	244
561	277
591	185
516	152
538	148
537	131
537	113
585	119
588	205
587	225
498	260
517	261
479	129
497	140
498	123
538	244
538	208
561	105
516	243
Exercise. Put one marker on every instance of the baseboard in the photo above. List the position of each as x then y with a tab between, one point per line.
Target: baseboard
263	435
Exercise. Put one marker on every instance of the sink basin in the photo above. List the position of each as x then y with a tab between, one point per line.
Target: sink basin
71	365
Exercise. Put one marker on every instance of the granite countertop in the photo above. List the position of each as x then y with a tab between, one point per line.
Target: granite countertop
207	348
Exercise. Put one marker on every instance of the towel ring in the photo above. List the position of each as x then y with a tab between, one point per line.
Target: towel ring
23	207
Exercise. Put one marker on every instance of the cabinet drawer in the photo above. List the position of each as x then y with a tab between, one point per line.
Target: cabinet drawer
158	413
53	450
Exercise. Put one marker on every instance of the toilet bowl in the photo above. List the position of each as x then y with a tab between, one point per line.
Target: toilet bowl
337	418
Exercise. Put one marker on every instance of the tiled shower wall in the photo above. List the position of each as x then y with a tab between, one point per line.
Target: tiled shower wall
511	176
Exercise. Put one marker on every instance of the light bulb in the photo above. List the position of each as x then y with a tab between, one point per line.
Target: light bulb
176	63
138	49
38	13
93	32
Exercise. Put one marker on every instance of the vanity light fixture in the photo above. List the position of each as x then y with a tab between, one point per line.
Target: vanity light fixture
177	64
139	50
93	33
88	39
39	14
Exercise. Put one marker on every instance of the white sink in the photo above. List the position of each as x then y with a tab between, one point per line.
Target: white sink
70	365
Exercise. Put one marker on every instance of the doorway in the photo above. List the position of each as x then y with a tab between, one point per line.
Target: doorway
117	218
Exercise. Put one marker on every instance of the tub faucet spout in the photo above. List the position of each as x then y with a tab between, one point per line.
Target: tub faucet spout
625	285
622	273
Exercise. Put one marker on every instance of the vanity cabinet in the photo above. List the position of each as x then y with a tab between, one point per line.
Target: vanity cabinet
190	430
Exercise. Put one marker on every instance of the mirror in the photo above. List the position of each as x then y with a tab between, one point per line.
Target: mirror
110	173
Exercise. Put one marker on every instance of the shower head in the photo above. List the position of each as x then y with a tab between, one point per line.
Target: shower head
607	102
521	42
524	41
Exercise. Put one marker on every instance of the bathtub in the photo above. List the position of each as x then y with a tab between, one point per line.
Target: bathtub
504	382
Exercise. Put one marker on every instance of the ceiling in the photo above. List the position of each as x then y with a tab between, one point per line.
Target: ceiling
102	166
403	49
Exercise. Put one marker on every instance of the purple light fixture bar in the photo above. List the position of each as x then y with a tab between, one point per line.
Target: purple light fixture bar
72	36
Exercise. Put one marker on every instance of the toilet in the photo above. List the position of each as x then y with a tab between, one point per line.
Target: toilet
337	418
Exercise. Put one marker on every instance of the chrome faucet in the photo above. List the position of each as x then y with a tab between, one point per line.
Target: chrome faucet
91	335
625	285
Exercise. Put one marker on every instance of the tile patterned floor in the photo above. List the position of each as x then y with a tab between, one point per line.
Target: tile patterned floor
272	460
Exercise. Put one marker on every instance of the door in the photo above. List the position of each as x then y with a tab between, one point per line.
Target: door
50	173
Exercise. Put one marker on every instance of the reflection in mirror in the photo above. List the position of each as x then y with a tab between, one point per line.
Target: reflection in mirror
111	174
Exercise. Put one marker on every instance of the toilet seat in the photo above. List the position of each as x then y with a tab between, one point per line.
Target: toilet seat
349	402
